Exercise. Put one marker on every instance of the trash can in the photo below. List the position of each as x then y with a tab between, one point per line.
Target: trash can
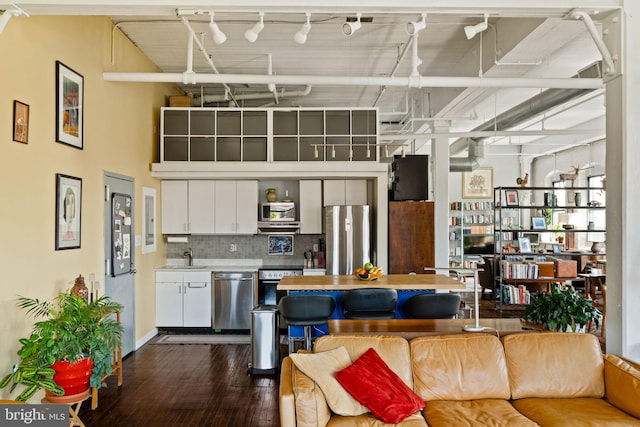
265	340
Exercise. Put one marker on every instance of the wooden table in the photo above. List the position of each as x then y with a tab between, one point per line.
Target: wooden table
399	282
411	328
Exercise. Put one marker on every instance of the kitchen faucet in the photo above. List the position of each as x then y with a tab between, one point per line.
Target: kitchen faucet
188	253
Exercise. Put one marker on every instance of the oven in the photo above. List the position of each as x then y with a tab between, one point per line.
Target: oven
268	278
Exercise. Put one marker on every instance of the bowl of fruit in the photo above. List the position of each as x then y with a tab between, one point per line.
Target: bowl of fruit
368	272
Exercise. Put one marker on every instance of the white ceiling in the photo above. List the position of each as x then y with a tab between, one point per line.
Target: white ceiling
522	41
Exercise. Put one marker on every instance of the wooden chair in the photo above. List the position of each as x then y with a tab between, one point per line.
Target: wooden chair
116	368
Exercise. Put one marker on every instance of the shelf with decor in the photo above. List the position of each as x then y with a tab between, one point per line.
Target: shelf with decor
532	224
471	231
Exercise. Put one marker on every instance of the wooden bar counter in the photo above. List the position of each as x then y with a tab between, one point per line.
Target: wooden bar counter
399	282
411	328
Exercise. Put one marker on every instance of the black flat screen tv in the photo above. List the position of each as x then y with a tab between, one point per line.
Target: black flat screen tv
478	245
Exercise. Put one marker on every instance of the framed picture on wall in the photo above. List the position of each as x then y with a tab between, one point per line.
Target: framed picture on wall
478	184
69	106
68	211
20	122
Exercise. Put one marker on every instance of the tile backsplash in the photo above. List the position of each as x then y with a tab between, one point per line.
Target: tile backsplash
247	247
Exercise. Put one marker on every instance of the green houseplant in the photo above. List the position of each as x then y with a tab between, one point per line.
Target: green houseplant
561	310
72	329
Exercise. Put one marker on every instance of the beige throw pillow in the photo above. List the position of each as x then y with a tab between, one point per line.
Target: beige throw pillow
321	367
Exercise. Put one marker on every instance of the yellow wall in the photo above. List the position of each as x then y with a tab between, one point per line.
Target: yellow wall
120	135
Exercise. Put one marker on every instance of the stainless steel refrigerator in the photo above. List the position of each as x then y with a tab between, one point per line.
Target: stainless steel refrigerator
348	238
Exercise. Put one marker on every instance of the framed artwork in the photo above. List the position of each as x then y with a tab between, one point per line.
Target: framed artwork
525	245
478	184
280	245
20	122
555	247
68	211
69	106
511	197
538	223
148	220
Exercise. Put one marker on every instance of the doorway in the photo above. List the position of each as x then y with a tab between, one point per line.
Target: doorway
119	251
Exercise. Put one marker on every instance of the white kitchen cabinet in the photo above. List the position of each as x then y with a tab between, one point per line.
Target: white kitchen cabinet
310	206
175	207
187	207
236	207
201	206
345	192
183	299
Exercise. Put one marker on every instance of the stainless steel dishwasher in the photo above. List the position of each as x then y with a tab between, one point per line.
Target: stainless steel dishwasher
232	300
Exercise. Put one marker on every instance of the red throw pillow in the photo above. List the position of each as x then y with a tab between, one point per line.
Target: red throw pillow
372	383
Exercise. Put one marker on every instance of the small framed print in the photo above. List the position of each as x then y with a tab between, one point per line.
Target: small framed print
525	245
511	197
555	247
281	245
69	106
477	184
68	211
20	122
538	223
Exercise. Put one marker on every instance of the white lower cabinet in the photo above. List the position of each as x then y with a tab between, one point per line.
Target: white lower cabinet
183	299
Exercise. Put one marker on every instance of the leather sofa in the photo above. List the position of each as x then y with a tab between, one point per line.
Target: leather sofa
527	379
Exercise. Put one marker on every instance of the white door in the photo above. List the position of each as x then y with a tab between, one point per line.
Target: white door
169	304
225	207
197	299
120	288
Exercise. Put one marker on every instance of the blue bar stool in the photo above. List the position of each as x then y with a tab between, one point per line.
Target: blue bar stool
307	311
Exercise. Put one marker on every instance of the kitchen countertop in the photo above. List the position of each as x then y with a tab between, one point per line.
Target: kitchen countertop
221	264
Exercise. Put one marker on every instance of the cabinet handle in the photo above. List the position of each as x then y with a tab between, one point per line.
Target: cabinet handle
196	285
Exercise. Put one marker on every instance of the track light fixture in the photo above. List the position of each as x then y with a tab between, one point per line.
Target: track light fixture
252	33
348	28
415	27
301	36
218	36
471	30
10	13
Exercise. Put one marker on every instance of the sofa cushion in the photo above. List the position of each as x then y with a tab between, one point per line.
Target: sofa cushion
394	350
622	383
554	364
321	367
579	411
369	420
459	367
485	412
377	387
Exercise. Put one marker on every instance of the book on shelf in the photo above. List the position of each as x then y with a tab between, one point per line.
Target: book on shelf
512	294
518	270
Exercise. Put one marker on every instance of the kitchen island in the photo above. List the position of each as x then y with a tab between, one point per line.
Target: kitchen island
399	282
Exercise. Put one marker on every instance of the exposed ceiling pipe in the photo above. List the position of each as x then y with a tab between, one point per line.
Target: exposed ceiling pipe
190	75
610	66
520	113
207	99
419	82
395	69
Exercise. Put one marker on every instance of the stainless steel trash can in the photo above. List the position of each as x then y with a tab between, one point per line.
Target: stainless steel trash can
265	340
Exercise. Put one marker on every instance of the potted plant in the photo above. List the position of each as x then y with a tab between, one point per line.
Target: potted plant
562	311
74	333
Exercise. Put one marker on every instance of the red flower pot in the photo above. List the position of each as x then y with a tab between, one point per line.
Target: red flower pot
73	378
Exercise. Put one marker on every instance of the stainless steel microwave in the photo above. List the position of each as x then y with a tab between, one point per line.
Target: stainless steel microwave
278	211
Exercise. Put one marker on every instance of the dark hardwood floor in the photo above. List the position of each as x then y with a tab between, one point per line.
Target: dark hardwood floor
187	385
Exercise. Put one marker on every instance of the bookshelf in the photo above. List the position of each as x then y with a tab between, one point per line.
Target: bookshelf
471	231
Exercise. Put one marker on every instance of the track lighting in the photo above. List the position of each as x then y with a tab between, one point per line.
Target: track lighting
252	33
315	152
471	30
333	151
350	27
301	36
8	14
218	36
415	27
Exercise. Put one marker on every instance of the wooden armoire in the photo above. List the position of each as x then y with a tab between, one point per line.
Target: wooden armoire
411	237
